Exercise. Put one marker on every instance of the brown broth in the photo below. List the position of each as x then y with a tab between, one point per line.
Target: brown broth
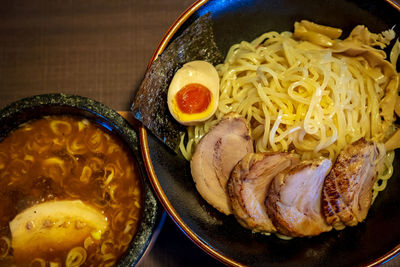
67	158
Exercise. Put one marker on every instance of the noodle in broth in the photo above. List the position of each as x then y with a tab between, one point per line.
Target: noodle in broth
59	158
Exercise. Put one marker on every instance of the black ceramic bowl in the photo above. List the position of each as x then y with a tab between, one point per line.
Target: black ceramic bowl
372	242
59	104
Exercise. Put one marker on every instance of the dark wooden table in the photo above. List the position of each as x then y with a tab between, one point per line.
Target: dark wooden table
98	49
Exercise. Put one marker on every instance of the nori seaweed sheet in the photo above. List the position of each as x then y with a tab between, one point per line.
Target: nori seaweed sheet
150	106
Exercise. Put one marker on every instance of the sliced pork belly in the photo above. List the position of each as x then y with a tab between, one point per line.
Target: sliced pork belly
347	191
248	187
294	199
215	157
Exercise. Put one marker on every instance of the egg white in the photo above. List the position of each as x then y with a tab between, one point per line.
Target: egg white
200	72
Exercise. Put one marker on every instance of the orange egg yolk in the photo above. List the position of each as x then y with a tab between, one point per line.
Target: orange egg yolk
193	98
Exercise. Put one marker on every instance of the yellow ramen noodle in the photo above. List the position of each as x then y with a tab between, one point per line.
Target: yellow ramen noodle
309	92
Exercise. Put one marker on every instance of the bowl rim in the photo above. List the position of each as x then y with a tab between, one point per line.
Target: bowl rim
153	177
152	217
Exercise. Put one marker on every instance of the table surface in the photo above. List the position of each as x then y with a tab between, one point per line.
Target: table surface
98	49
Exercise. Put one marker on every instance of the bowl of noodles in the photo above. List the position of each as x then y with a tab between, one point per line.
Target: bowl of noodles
273	75
73	190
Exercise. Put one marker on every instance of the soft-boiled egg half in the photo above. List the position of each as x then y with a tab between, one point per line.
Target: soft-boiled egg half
194	92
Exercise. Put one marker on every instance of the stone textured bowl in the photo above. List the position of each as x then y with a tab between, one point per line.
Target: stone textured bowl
59	104
370	243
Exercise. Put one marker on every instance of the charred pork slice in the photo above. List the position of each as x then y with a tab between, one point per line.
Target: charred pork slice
347	191
248	187
215	157
294	199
